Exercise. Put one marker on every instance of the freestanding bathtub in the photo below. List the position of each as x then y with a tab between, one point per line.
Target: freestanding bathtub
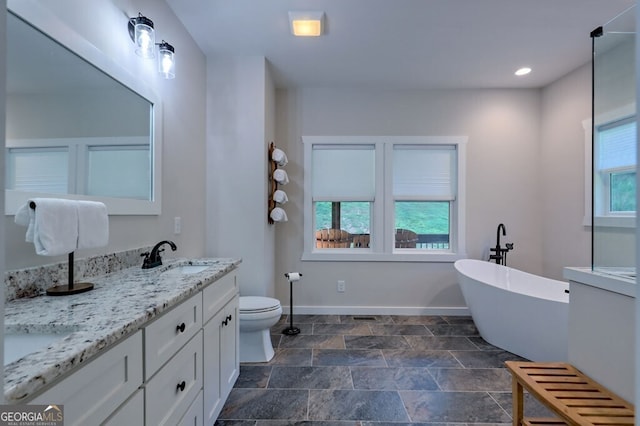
519	312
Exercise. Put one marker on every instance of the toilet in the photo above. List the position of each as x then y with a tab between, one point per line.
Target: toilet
257	316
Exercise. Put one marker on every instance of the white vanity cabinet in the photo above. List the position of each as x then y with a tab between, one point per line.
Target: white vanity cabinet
221	357
92	393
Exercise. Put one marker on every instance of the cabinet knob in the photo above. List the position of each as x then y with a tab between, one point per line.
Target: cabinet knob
229	317
181	386
181	328
225	322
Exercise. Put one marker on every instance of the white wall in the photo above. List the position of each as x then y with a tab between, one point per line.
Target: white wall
184	102
240	104
503	127
3	67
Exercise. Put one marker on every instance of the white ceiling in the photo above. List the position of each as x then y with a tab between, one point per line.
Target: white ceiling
405	44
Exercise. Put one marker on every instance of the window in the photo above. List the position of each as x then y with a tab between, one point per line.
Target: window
384	198
615	167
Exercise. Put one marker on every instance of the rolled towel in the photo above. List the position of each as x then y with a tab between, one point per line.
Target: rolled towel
93	224
26	216
280	196
279	157
55	226
281	177
278	215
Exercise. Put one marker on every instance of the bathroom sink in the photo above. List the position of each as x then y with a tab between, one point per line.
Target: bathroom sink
187	269
18	344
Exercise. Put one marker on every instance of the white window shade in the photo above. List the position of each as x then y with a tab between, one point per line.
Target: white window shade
343	173
617	146
424	173
38	170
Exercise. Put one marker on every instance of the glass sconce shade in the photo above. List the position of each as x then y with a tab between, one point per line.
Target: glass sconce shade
166	60
143	35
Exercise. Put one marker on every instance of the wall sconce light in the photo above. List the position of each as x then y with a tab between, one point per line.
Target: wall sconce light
306	24
143	35
166	60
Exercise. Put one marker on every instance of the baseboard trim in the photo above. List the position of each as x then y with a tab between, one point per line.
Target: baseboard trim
377	310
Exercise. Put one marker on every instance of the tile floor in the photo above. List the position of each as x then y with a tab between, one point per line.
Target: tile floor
375	370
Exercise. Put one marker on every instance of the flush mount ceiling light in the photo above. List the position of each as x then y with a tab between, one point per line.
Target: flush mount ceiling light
143	35
523	71
306	24
166	60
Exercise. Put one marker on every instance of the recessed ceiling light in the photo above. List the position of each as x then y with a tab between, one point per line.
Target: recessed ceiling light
523	71
306	24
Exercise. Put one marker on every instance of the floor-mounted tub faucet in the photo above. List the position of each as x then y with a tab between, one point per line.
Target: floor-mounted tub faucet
153	259
500	255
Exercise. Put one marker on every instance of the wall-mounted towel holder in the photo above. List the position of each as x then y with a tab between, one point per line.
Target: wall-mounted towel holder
273	185
71	287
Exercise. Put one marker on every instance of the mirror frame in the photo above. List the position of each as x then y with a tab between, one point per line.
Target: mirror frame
48	23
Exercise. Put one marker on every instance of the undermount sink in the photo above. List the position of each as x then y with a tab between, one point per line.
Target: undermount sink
188	269
18	343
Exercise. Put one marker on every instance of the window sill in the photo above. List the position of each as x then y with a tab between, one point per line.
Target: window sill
615	221
348	255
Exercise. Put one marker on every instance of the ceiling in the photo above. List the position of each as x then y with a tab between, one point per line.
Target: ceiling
405	44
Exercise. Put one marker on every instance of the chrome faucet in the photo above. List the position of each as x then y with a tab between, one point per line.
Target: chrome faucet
500	255
153	259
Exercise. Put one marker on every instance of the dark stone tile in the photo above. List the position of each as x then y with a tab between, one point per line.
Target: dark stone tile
482	344
348	357
253	376
472	379
455	319
234	423
335	377
305	328
305	423
532	407
453	330
412	424
356	405
292	357
399	330
392	378
469	407
366	319
312	341
245	404
485	359
418	319
349	329
441	343
375	342
316	319
419	358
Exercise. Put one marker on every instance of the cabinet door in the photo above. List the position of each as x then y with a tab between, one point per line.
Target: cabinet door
211	368
193	416
229	350
169	394
130	413
93	392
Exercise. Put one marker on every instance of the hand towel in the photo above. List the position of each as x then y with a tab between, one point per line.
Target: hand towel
279	157
280	196
93	224
278	215
55	226
281	177
26	216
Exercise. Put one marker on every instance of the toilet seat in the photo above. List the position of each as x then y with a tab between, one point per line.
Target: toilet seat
258	304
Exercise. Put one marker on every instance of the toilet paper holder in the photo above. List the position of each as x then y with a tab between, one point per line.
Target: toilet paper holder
291	277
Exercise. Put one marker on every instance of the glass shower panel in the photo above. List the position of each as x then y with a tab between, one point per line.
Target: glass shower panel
614	147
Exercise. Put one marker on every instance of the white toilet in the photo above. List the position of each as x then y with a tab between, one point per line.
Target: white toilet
257	316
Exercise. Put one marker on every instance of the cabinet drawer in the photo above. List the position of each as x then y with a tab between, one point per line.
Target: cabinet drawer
169	394
93	393
170	332
216	295
131	412
193	416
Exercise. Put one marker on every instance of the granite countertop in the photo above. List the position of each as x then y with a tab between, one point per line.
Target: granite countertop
120	304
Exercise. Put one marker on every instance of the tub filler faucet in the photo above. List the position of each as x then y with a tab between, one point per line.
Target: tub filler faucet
153	259
500	254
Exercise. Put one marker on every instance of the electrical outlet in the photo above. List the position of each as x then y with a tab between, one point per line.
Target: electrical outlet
342	286
177	225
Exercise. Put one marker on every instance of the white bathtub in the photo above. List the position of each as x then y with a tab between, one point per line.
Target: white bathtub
519	312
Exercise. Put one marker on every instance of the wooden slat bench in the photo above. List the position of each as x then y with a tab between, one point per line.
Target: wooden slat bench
574	397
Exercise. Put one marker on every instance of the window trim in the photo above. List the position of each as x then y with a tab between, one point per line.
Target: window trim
613	220
381	250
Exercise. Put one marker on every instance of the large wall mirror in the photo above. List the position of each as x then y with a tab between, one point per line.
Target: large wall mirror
77	125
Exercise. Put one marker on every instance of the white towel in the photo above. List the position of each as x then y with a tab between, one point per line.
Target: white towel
281	177
93	224
52	227
279	157
278	215
280	196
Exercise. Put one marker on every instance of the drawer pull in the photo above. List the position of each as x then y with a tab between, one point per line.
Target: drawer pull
229	317
225	322
181	328
181	386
